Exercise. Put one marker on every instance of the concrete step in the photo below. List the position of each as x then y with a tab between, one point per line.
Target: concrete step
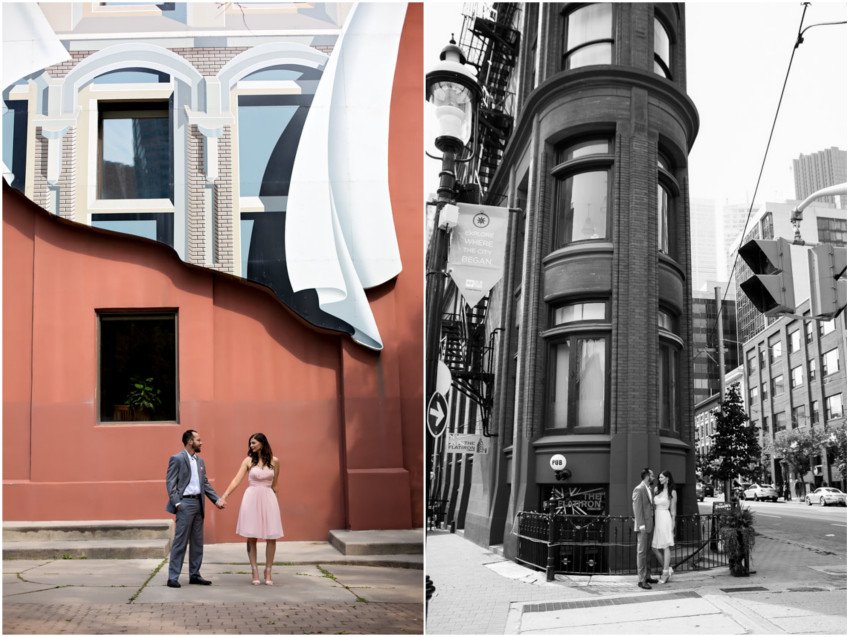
87	539
391	542
87	530
86	549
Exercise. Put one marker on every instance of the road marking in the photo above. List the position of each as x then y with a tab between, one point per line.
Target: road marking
843	525
767	515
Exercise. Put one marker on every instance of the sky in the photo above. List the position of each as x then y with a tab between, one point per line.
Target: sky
737	57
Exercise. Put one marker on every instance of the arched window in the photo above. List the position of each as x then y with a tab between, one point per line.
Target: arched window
667	191
662	49
582	199
588	36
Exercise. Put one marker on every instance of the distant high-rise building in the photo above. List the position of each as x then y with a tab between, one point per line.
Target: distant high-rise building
818	170
706	372
734	220
703	224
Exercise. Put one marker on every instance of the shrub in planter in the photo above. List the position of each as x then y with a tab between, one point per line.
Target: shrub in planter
144	397
736	529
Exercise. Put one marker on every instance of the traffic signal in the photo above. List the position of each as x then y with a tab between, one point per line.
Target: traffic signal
828	280
770	289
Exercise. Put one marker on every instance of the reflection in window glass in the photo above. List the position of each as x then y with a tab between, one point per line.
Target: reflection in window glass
582	208
15	141
158	226
662	219
834	407
136	159
132	76
579	312
797	377
269	130
591	383
283	72
668	386
560	406
583	149
661	49
585	27
830	362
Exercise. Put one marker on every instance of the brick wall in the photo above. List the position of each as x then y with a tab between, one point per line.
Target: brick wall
195	223
39	194
223	205
68	178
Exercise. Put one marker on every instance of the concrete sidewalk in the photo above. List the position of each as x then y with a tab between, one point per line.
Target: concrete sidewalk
794	590
316	590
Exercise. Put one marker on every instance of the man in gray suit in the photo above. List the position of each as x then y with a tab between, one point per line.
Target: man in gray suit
187	484
642	500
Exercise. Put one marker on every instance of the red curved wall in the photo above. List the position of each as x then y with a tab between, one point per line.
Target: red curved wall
345	421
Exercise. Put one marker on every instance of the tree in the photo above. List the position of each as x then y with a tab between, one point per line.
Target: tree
836	444
797	448
735	450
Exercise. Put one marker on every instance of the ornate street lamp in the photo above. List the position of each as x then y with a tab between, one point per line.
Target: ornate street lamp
453	90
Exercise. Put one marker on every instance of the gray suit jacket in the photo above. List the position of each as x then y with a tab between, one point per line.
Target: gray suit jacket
177	479
643	509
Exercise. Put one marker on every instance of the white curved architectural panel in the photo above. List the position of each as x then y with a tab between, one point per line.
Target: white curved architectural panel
340	235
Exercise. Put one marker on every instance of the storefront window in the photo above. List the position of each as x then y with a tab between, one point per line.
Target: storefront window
588	33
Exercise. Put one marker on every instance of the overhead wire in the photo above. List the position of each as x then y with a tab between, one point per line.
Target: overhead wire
796	44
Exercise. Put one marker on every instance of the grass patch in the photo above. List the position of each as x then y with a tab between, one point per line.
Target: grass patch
147	581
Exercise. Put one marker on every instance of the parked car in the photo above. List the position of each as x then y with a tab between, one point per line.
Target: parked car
703	490
826	495
758	492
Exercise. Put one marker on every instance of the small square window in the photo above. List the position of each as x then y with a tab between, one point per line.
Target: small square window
138	366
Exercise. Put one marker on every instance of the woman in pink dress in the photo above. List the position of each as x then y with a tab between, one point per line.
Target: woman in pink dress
259	515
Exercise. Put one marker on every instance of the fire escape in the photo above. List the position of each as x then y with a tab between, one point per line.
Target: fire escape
491	45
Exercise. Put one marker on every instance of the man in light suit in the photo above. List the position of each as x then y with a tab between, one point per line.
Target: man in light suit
187	484
642	500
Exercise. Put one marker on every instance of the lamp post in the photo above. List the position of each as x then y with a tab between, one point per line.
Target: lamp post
453	90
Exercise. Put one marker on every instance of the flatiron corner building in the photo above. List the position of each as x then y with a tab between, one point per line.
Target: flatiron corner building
593	357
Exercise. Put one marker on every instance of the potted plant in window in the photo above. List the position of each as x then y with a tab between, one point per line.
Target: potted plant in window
736	529
144	397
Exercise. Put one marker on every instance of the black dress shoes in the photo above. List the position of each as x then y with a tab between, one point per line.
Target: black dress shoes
197	579
651	580
644	585
173	583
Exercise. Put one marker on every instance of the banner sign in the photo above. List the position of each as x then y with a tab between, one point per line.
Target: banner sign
476	256
466	443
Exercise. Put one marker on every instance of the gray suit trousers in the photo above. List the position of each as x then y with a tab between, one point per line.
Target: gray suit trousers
643	538
188	530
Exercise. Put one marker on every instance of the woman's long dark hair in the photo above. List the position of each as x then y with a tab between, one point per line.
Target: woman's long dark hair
670	484
264	453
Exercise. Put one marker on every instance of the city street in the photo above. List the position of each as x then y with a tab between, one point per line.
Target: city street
797	588
820	528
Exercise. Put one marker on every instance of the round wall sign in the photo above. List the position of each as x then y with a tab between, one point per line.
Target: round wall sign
557	462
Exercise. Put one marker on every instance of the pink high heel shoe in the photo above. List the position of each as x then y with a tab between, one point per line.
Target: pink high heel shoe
268	581
255	576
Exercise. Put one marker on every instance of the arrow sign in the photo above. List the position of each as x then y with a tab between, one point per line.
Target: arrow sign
437	414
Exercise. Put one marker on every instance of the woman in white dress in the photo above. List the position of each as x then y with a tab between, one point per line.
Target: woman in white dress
663	539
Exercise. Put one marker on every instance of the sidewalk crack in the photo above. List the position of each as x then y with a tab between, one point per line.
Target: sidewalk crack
147	581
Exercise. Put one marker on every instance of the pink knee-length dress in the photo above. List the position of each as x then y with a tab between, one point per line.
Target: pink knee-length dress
259	515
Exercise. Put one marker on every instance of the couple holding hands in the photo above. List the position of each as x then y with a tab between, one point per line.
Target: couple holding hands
259	515
654	520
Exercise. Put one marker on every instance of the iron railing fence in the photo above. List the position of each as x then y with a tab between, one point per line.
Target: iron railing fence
607	545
